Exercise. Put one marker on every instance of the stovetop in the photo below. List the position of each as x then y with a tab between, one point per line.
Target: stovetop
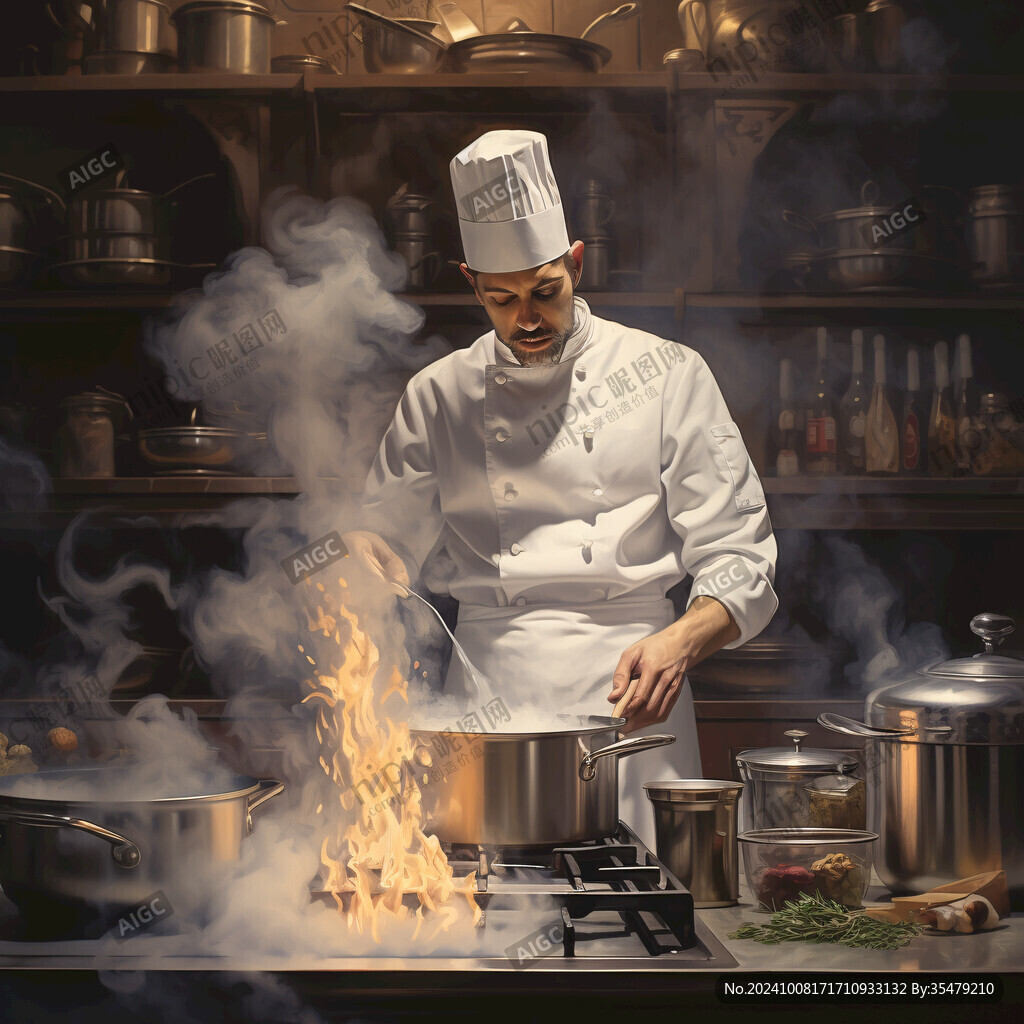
607	906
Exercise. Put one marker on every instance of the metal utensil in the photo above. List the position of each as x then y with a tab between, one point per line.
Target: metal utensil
619	14
484	692
224	35
511	52
457	23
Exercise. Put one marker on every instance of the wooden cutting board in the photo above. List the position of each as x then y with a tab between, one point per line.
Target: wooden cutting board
990	884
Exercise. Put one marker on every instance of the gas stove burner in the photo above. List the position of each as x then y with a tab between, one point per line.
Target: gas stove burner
617	875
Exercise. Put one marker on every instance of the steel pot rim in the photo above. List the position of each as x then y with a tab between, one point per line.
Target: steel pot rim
806	836
228	6
242	785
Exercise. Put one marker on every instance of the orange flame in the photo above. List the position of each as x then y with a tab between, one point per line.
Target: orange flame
372	863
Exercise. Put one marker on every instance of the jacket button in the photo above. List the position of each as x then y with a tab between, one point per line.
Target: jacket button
500	378
520	601
515	549
597	492
510	492
501	435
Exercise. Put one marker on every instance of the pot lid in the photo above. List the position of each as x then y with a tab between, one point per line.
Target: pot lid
232	6
793	759
965	700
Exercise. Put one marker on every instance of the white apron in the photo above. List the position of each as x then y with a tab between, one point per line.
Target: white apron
561	503
564	657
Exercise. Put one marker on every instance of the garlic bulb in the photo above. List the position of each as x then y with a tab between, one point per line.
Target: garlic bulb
971	914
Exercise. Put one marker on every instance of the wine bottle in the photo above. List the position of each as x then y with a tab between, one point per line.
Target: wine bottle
913	456
820	419
968	436
789	426
853	409
881	439
941	425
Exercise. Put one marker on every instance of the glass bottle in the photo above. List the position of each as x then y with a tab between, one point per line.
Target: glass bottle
968	435
820	419
941	424
913	454
789	432
881	439
853	409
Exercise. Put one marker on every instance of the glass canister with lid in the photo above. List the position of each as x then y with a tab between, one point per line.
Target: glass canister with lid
790	787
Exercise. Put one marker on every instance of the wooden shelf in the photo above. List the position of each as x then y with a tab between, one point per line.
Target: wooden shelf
729	86
225	85
900	485
176	485
916	301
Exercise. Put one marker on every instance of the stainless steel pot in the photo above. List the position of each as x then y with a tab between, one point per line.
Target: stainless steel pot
397	46
120	247
69	857
944	760
527	789
299	62
525	51
995	235
224	35
868	270
765	664
198	450
126	62
776	780
142	26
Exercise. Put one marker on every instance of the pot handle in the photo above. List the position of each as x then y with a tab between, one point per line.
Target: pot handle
869	193
621	749
268	788
125	853
851	727
42	188
798	220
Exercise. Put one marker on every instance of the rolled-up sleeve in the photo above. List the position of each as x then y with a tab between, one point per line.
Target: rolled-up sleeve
715	500
401	501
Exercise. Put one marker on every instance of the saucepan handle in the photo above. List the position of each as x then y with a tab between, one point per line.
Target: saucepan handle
851	727
623	748
268	788
125	853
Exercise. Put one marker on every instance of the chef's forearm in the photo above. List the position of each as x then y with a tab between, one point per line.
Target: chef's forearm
705	627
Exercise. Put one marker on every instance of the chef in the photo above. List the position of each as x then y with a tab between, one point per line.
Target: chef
569	471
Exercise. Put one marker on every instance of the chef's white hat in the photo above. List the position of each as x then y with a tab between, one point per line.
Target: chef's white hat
510	213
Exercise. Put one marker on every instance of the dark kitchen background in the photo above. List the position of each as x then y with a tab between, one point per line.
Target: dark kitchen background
691	171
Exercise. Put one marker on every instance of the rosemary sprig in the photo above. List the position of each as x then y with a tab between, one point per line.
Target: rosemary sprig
816	919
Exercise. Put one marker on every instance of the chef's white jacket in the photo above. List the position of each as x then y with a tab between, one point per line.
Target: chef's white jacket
569	499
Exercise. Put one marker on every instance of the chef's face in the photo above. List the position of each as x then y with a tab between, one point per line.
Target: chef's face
532	310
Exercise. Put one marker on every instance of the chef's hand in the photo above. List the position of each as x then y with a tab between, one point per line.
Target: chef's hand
659	662
373	552
656	666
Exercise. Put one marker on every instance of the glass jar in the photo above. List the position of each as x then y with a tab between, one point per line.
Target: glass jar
776	794
85	441
1001	448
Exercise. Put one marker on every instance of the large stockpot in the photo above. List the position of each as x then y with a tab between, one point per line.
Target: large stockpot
526	789
224	35
995	235
944	758
64	859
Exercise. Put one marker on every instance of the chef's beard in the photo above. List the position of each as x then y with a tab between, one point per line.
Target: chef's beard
547	357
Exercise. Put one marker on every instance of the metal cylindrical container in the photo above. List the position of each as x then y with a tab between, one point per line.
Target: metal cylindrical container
140	26
85	441
593	210
224	35
777	779
695	827
944	757
995	241
521	789
596	264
